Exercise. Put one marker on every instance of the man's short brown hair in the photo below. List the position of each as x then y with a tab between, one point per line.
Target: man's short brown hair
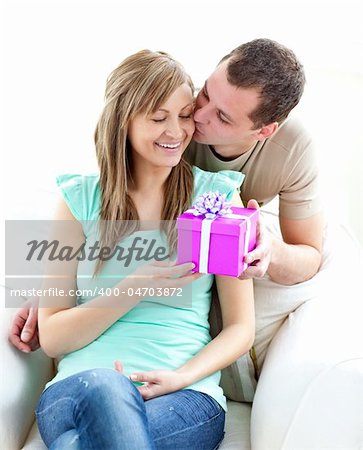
274	71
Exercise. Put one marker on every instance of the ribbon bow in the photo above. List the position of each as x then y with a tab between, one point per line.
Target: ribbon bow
211	205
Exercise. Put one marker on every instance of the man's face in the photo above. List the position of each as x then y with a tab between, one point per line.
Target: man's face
222	115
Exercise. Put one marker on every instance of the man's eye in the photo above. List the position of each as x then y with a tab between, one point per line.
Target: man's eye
221	119
204	93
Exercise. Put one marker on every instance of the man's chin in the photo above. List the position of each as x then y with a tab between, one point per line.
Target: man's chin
200	138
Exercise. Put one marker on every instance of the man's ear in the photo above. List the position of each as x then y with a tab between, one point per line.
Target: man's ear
266	131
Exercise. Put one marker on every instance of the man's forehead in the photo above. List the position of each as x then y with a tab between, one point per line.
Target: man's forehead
234	101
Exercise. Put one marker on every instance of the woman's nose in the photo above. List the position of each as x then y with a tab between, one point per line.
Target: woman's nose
175	130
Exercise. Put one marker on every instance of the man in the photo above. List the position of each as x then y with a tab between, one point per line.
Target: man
240	113
241	124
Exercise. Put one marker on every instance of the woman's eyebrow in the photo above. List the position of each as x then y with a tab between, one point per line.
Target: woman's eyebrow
167	111
188	105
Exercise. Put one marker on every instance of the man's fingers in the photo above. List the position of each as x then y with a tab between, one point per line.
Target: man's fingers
256	271
252	204
34	343
15	332
16	342
30	326
256	255
24	321
14	339
33	316
251	272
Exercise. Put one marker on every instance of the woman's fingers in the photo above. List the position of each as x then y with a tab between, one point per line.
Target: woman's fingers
150	386
168	275
119	367
172	270
143	377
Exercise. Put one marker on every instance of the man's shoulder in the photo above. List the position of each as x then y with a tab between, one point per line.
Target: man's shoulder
197	154
194	146
291	135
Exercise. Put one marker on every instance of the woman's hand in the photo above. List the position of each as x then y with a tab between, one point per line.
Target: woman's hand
156	382
163	275
159	382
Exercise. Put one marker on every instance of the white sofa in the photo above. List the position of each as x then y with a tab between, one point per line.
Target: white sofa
310	391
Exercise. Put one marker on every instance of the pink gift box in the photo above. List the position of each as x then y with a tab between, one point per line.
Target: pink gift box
227	241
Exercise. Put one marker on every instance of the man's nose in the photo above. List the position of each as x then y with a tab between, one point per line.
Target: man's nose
201	114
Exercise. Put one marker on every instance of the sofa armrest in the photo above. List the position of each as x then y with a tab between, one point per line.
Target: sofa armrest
310	393
22	380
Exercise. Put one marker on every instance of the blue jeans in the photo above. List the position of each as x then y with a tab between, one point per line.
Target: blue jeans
101	409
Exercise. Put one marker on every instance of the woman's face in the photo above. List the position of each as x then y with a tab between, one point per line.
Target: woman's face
160	138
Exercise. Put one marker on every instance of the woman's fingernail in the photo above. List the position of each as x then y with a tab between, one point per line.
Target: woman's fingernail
133	377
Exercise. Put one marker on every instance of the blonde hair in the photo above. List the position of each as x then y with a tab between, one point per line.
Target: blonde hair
140	84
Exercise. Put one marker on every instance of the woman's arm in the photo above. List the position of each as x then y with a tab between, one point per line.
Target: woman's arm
237	336
64	327
235	339
238	333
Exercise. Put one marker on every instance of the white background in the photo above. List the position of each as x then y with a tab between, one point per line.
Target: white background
56	57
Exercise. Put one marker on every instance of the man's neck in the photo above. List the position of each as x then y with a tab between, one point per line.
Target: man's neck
221	154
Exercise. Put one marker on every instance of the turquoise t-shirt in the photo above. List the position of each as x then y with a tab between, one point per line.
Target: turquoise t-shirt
159	332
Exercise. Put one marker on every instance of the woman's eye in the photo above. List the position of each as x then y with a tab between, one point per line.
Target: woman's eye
189	116
158	120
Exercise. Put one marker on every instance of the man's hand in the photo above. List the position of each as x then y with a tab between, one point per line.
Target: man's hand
23	333
259	258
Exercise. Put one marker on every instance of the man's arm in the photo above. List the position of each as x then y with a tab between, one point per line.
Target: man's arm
292	260
298	257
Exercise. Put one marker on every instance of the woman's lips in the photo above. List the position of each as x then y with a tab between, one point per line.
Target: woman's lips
168	146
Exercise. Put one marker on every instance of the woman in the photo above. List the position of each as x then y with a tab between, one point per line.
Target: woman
168	395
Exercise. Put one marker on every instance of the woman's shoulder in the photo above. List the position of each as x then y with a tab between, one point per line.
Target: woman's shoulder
81	192
224	181
76	179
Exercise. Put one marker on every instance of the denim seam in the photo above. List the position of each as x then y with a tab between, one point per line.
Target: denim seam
188	428
53	404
